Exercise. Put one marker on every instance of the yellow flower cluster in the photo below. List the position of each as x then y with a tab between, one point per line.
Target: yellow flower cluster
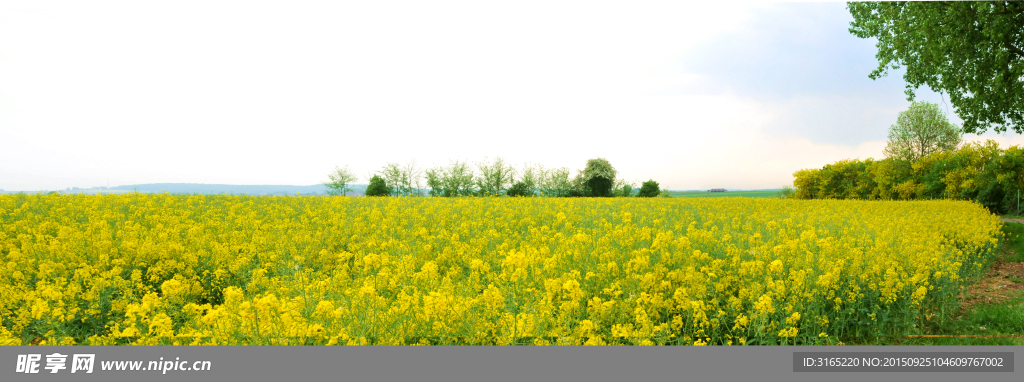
239	270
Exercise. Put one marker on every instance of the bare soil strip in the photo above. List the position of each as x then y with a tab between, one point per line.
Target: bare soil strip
1003	282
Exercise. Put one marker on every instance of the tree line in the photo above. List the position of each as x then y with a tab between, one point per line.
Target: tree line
495	177
981	172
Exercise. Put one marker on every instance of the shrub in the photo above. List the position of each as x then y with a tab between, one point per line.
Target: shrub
377	187
519	189
625	191
785	193
981	172
649	189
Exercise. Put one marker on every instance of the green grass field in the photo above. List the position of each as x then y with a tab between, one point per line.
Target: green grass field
705	194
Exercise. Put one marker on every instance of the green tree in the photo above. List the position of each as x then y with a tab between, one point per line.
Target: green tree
649	189
435	181
623	188
459	178
974	51
413	177
578	186
455	180
555	182
402	179
785	193
921	130
377	187
340	181
494	177
530	175
599	176
626	191
520	188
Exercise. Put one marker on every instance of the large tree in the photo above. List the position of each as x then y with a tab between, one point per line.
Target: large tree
599	176
974	51
921	130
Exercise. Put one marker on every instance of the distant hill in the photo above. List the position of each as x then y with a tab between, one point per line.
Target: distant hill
205	189
197	188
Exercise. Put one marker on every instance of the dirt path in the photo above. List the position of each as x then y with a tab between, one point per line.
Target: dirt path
1002	282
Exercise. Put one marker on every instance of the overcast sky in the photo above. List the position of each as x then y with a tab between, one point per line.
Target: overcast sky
693	95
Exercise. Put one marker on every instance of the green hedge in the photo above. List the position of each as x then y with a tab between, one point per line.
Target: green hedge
978	171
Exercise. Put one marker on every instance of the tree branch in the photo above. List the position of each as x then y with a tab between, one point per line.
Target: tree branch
1007	11
1015	49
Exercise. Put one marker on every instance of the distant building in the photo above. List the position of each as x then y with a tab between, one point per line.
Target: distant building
717	190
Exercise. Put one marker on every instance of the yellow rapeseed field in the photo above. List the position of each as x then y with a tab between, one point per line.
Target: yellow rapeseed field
148	269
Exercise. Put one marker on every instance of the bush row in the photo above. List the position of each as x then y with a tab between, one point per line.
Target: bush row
981	172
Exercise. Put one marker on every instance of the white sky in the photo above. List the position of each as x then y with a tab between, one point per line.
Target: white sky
693	95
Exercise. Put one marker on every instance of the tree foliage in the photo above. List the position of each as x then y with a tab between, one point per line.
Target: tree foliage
599	167
974	51
377	187
555	182
413	177
622	188
649	189
921	130
435	181
494	177
394	178
578	186
340	181
531	176
981	172
520	188
600	186
455	180
402	179
785	192
598	177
